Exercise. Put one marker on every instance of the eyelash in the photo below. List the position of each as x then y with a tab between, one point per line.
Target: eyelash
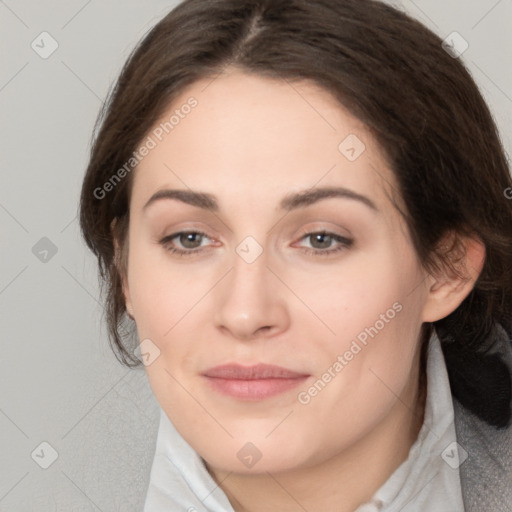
345	243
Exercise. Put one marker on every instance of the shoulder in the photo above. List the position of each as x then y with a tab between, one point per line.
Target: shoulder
486	473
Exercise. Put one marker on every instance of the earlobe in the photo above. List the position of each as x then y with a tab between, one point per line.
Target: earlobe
447	290
126	290
126	295
119	262
129	309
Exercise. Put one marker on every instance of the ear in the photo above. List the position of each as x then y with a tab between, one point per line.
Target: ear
446	290
120	260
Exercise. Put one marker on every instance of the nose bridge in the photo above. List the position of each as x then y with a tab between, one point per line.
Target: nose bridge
249	300
249	275
249	278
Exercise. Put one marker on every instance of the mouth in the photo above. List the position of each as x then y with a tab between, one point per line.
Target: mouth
253	383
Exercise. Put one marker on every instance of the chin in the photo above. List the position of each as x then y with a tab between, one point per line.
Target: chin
253	457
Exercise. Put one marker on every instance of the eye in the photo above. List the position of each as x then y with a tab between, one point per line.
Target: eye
325	243
187	243
184	243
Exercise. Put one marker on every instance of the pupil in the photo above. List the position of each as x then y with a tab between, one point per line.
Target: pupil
324	241
189	240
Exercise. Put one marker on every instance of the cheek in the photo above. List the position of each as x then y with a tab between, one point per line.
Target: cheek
367	369
160	293
366	292
371	316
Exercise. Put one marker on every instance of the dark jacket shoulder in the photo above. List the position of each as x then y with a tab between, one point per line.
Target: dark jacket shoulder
486	473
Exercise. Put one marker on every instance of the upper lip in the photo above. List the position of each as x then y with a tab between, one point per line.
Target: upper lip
255	372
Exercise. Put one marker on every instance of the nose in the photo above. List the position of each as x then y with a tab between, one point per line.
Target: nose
250	303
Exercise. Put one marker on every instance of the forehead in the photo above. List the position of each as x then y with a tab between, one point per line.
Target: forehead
249	136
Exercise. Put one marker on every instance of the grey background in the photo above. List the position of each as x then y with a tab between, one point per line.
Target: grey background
59	381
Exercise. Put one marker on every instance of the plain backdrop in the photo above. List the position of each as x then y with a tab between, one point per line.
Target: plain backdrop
60	384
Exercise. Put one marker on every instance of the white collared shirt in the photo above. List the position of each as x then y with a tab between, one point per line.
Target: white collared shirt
428	481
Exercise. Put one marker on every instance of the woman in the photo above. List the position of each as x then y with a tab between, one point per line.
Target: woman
301	209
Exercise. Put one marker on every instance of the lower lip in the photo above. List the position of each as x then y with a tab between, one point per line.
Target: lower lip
253	390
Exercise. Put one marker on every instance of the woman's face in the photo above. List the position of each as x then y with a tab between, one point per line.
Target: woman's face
294	258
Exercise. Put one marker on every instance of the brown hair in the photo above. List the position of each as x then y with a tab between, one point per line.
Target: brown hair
389	71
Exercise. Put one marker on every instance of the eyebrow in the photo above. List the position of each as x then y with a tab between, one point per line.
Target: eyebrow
289	202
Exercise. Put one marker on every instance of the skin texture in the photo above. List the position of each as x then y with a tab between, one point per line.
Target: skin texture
250	141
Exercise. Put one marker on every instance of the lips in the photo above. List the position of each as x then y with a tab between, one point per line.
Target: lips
252	383
257	372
